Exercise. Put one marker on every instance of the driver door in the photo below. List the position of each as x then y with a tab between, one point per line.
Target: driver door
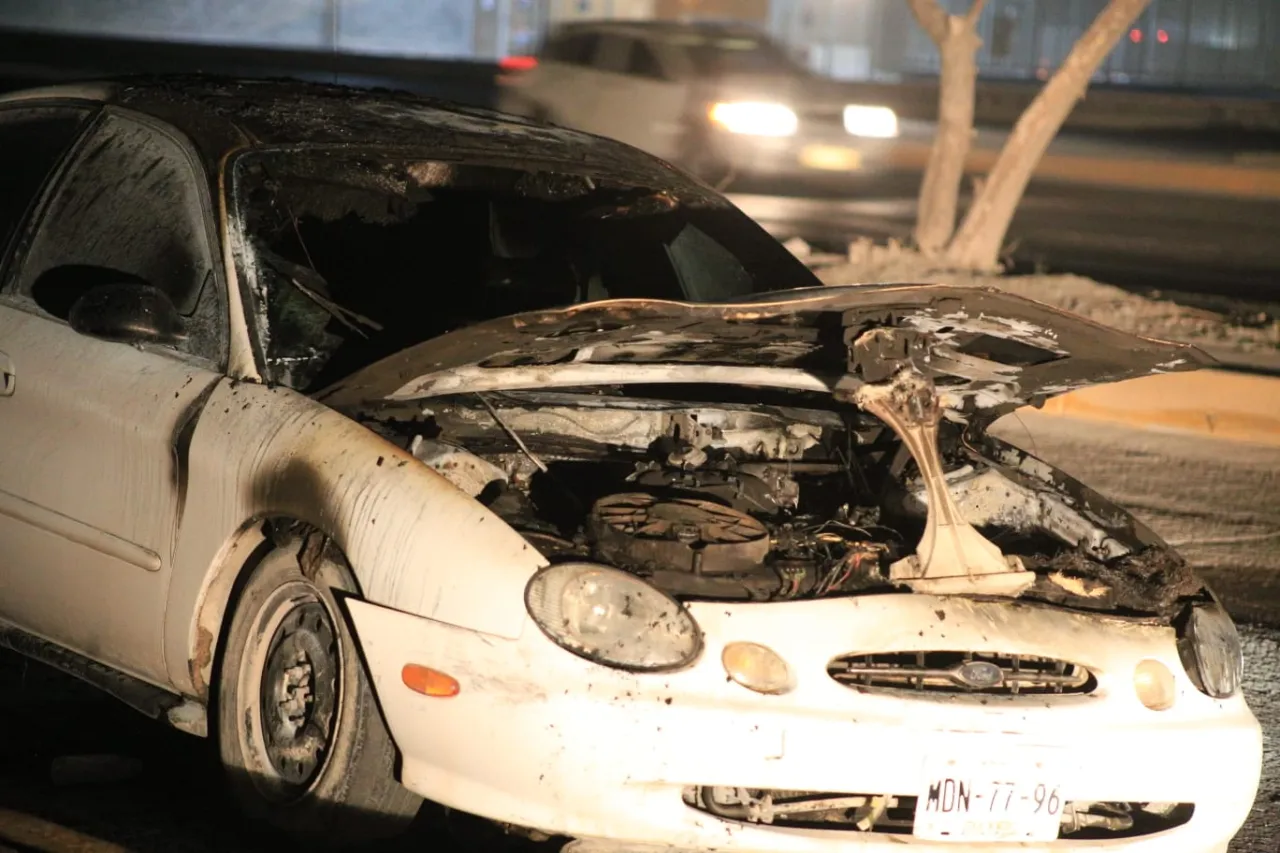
93	479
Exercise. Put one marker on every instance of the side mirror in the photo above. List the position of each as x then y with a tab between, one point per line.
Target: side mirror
129	312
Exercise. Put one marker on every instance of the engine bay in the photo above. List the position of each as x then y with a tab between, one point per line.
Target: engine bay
711	495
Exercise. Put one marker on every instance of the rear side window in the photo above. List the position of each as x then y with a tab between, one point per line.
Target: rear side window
33	141
573	48
745	54
643	63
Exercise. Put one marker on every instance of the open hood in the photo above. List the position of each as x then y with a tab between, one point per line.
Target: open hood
986	351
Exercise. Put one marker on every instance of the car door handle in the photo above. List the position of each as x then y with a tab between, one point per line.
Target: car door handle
8	379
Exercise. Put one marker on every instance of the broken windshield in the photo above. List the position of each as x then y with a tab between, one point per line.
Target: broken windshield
352	259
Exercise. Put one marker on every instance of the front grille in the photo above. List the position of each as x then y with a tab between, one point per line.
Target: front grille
961	672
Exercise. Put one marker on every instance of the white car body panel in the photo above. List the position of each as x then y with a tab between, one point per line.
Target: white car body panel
90	524
642	111
638	111
540	737
414	541
138	520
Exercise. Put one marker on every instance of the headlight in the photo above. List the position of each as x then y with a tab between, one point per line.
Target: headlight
611	617
755	118
873	122
1210	650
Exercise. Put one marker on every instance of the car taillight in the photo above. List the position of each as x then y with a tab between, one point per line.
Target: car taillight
518	63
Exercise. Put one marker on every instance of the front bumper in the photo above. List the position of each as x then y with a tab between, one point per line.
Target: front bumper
540	738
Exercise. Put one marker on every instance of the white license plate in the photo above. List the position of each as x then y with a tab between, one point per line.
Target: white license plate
979	798
835	158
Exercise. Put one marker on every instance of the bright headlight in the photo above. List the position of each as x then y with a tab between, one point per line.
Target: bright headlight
873	122
611	617
1209	646
755	118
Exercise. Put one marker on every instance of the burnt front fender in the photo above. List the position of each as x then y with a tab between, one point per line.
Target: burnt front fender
414	541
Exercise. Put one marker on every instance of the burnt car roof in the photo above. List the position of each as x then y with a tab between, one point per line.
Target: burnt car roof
222	114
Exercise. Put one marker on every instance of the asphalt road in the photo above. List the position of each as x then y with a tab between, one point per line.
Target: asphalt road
1202	243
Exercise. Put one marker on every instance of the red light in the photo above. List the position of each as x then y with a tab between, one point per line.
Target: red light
1135	35
1162	36
518	63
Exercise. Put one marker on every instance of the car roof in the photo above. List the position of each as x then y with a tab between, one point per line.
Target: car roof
222	114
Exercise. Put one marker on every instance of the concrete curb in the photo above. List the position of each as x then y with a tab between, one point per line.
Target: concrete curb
1213	403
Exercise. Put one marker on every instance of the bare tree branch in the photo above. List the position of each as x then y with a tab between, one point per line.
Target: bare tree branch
958	44
975	12
977	242
931	17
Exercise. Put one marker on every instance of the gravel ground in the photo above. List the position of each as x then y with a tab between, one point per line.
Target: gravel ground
1261	833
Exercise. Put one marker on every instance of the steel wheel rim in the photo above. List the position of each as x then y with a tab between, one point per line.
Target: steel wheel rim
291	688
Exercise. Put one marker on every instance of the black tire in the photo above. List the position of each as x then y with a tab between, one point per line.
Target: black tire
316	761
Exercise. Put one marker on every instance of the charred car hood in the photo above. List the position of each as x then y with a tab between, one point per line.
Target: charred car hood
986	350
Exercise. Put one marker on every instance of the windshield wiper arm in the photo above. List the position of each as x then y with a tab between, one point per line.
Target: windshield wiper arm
310	284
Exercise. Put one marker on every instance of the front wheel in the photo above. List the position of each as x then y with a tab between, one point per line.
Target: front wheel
299	730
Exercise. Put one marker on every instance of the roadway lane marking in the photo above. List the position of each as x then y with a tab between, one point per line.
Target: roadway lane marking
1239	180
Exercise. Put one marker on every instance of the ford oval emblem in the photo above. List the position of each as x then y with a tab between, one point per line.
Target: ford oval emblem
980	674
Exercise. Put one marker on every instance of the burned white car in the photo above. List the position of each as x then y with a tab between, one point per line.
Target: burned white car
411	451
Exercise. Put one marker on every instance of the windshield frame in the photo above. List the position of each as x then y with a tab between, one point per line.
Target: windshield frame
645	172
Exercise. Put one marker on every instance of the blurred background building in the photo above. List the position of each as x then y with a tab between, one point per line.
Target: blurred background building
1197	44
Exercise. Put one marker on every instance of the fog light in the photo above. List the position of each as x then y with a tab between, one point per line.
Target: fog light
1153	682
756	667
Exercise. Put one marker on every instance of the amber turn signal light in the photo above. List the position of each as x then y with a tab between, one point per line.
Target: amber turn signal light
428	681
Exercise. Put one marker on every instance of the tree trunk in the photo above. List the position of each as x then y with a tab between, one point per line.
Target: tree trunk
958	43
978	241
940	190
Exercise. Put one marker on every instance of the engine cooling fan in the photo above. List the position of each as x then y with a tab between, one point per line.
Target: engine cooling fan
639	531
